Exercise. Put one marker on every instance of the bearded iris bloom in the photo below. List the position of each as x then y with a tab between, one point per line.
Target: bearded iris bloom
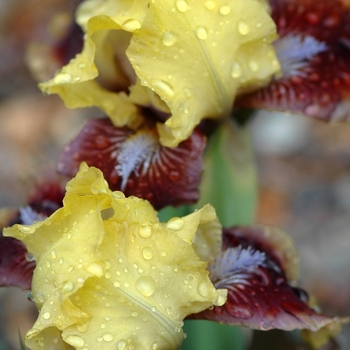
186	59
108	273
313	50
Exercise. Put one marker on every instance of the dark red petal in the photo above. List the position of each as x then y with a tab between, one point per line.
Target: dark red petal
16	267
164	176
325	20
321	87
259	294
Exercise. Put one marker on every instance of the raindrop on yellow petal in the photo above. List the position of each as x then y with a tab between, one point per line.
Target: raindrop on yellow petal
131	25
95	269
236	70
46	315
121	345
165	87
68	287
175	224
169	38
253	66
225	10
147	253
107	337
209	5
145	231
201	32
146	286
181	5
243	27
75	341
62	78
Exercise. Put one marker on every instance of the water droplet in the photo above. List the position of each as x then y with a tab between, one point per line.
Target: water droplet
95	269
121	345
116	284
75	341
175	224
131	25
164	253
253	66
53	254
62	78
25	228
81	65
46	315
107	337
154	346
68	287
147	253
169	38
181	5
225	10
203	288
209	5
201	32
243	27
145	231
61	261
236	70
30	296
29	257
76	79
164	87
48	263
145	286
176	268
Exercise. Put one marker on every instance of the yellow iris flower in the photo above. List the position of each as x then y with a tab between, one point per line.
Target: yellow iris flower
191	57
109	275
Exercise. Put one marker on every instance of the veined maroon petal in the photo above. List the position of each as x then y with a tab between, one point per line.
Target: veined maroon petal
314	52
134	162
259	294
16	266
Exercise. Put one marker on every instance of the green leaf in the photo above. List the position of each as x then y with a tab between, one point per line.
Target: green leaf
206	335
229	181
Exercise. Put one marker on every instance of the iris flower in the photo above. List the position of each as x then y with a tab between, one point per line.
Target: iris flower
109	275
314	52
187	59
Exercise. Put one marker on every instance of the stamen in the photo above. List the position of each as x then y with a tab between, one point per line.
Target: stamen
28	216
294	52
135	150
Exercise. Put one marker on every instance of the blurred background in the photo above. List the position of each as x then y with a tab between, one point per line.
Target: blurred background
303	167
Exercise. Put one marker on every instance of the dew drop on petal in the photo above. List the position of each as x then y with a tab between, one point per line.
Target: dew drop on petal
253	66
29	257
131	25
75	341
243	27
68	287
121	345
147	253
46	315
181	5
62	78
209	5
202	32
169	38
145	231
107	337
175	224
236	70
95	269
163	86
225	10
145	286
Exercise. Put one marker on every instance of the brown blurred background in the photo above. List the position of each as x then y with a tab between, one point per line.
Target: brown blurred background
303	165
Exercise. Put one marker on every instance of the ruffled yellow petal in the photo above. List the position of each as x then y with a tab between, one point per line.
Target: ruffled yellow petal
110	275
186	51
75	82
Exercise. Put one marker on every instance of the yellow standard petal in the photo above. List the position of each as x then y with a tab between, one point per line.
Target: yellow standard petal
196	55
109	275
106	24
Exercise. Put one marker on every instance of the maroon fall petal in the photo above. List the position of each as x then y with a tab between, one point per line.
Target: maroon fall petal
16	266
314	52
259	294
134	162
